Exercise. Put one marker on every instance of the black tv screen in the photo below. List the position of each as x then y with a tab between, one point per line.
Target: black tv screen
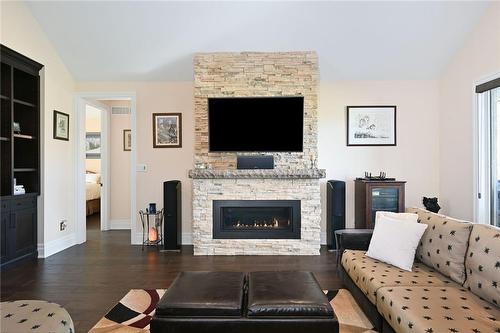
255	124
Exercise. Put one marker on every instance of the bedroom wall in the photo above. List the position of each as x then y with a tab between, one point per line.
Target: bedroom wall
119	169
478	58
21	32
415	159
92	124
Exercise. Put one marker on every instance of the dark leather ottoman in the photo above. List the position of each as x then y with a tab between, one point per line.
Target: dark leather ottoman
224	302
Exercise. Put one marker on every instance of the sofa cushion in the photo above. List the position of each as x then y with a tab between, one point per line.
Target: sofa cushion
436	309
444	244
370	274
483	263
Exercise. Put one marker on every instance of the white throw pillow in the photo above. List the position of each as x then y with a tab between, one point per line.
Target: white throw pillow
395	241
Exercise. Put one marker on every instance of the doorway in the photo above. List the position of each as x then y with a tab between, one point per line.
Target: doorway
95	140
100	142
488	153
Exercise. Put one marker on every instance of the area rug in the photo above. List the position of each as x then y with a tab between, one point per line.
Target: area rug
134	312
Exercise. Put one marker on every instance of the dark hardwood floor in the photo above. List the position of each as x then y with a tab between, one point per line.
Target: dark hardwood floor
90	278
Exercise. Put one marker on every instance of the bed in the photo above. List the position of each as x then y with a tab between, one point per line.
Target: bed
92	193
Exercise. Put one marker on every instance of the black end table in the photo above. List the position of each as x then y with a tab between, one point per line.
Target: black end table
352	239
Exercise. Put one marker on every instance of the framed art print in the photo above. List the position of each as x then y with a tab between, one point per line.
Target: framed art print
127	140
167	130
371	125
93	145
61	126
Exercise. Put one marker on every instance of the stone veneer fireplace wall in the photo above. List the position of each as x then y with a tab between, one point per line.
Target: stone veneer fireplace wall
295	176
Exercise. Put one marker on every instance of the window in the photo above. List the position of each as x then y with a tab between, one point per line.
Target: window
488	153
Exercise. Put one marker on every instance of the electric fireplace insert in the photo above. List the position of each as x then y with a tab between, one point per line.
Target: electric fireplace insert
256	219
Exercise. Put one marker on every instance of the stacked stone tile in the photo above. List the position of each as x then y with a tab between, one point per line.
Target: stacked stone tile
295	177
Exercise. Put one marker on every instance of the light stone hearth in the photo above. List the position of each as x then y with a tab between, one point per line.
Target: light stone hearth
305	190
296	175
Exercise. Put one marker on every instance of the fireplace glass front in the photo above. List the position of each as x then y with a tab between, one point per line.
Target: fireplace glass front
256	219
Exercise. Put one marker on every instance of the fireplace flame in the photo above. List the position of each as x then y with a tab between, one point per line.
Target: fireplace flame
261	225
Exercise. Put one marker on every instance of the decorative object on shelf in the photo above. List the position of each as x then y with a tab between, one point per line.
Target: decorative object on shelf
93	145
16	127
152	208
151	232
167	130
431	204
127	140
61	126
381	177
371	125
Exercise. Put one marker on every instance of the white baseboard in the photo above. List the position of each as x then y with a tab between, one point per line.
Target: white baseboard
322	238
187	238
119	224
57	245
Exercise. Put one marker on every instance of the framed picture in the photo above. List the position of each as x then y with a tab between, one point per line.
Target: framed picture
93	145
371	125
61	126
127	140
167	130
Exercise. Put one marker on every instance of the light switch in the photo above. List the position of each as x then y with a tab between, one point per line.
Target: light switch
141	168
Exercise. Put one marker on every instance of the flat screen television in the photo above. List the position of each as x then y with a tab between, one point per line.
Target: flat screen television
256	124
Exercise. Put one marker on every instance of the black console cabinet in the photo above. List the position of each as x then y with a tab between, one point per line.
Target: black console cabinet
20	155
19	228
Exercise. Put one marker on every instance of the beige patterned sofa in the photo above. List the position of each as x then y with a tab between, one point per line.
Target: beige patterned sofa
453	286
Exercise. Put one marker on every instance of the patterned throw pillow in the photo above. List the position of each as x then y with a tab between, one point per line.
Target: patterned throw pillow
444	244
483	263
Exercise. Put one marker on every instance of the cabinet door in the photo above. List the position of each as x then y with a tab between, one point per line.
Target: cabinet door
25	231
5	237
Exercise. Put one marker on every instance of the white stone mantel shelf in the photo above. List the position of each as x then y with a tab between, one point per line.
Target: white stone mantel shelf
257	174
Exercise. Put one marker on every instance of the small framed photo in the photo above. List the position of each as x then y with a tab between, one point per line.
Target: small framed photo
93	145
61	126
167	130
127	140
371	125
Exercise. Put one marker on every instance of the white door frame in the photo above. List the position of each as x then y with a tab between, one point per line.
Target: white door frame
481	159
81	99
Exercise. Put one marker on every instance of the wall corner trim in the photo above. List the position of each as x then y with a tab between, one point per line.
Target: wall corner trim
45	250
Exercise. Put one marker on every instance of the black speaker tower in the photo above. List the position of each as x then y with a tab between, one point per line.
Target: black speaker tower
335	210
172	205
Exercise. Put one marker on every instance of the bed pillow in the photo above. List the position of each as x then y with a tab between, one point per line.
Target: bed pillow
395	241
93	178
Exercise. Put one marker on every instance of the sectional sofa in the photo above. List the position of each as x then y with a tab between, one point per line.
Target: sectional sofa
454	285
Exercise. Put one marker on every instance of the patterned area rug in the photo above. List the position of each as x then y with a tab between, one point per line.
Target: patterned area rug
134	312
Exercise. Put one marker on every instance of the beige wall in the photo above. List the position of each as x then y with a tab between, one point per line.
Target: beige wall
92	124
479	57
162	163
414	159
21	32
119	167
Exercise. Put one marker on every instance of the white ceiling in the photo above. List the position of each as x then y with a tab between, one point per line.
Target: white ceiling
114	41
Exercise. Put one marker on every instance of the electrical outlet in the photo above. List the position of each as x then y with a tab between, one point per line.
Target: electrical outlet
62	225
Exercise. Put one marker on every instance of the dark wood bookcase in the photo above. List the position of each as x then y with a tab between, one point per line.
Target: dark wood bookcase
20	155
371	196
